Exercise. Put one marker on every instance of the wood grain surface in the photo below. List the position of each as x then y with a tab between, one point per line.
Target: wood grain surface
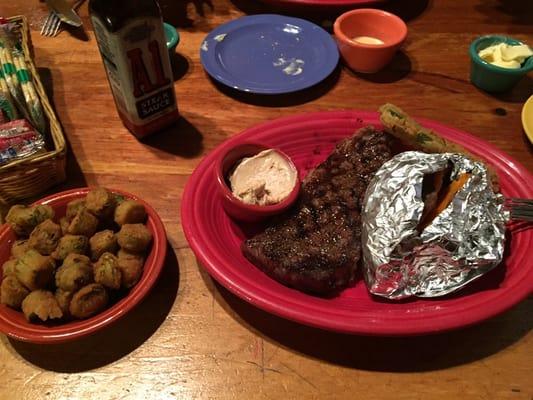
193	339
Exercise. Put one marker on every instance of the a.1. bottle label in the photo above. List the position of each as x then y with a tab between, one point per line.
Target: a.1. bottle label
138	69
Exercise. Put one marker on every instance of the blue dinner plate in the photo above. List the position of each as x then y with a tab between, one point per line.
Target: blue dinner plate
269	54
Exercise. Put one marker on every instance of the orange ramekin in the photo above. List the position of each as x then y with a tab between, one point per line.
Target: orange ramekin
369	58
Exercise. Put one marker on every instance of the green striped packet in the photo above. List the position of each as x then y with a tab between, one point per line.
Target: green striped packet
6	102
6	62
10	76
30	95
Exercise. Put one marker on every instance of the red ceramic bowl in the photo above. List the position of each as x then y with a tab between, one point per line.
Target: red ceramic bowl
379	24
13	323
234	206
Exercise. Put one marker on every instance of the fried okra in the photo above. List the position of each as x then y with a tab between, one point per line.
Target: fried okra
34	270
130	212
88	301
44	237
77	289
83	223
107	271
64	223
12	292
101	203
75	259
41	304
23	219
19	248
64	298
75	272
134	238
131	268
73	207
8	268
68	244
101	242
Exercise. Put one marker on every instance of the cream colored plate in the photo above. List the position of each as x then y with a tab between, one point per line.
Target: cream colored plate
527	118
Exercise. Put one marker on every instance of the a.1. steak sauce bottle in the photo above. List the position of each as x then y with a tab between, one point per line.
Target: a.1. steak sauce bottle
132	43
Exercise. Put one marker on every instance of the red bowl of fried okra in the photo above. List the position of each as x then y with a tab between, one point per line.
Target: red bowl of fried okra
76	261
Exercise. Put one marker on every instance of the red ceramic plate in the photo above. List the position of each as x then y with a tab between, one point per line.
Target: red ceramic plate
13	323
308	139
324	3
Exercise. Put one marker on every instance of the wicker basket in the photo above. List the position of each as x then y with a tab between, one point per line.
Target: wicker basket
28	177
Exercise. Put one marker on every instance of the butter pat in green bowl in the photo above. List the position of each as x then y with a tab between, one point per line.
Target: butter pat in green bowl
492	73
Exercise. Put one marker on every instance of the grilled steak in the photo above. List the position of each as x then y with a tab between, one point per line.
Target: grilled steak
316	246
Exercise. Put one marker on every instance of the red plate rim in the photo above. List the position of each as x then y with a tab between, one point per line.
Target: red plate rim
488	305
73	330
326	3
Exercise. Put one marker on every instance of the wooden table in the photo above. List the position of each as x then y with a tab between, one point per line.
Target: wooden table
191	338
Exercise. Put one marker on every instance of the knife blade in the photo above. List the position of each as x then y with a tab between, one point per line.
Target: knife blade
64	12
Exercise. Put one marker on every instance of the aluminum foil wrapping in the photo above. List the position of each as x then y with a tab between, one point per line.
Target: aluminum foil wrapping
463	242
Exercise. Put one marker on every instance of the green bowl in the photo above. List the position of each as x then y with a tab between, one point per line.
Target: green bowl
492	78
172	36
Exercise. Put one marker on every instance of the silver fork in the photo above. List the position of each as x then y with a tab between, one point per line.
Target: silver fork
520	209
51	24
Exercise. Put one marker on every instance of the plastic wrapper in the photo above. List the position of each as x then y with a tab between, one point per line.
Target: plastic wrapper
18	139
463	242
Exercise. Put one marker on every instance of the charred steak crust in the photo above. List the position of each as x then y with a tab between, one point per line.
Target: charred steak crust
315	247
